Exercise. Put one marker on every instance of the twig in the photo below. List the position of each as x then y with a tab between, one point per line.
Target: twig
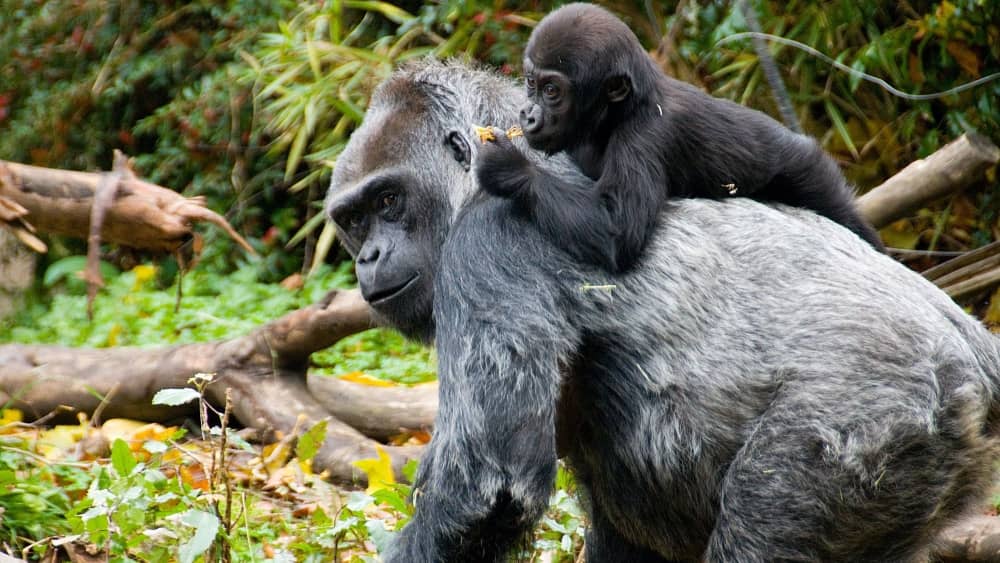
964	260
104	197
95	419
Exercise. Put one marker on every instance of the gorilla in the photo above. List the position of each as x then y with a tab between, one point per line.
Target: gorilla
762	386
594	92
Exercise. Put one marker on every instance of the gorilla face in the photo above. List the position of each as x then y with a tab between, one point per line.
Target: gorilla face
547	119
391	214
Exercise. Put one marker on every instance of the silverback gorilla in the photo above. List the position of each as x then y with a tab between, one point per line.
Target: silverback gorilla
763	386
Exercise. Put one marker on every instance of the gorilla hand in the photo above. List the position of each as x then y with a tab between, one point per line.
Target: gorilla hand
503	170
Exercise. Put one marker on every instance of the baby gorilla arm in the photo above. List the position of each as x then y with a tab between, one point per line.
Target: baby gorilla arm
574	216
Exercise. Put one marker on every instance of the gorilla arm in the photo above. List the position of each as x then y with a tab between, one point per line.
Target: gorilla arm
501	337
571	213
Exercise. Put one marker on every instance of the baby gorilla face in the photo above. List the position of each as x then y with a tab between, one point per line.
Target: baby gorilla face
547	117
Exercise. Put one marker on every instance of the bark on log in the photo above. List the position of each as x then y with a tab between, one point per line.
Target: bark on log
948	170
143	215
379	412
974	539
264	369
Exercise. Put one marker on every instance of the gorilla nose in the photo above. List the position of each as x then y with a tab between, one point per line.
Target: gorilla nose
531	120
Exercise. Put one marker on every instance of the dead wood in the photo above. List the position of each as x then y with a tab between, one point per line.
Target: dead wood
264	371
143	215
969	273
12	218
950	169
379	412
973	539
103	199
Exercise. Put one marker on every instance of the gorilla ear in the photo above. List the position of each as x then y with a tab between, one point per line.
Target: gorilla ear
460	149
618	88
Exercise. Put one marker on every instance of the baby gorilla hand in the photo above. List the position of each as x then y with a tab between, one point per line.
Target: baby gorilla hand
503	170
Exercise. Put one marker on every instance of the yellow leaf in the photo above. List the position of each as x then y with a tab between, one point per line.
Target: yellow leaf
276	456
120	428
195	476
59	440
365	379
992	315
901	234
116	329
9	419
135	432
153	431
378	470
10	416
143	273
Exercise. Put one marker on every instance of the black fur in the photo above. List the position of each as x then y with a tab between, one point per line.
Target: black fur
762	387
644	137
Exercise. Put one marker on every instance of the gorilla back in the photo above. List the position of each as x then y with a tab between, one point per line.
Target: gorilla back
763	387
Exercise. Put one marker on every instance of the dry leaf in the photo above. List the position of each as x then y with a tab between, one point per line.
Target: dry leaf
965	57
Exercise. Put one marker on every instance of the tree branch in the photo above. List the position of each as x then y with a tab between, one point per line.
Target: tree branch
143	215
949	169
264	370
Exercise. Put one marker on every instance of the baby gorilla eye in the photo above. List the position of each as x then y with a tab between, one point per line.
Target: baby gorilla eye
551	90
529	82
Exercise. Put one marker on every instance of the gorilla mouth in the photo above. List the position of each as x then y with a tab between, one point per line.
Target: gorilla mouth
389	293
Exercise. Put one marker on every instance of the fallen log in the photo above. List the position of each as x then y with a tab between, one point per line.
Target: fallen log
142	215
379	412
950	169
264	371
973	539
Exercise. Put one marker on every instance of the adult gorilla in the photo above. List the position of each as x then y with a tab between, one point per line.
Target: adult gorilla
763	387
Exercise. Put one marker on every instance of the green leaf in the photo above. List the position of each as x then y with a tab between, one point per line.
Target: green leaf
378	534
393	13
358	500
311	441
295	153
410	470
855	79
206	527
174	397
122	459
323	245
72	266
841	127
315	221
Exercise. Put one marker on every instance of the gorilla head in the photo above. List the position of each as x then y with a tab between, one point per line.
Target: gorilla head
396	188
764	386
579	63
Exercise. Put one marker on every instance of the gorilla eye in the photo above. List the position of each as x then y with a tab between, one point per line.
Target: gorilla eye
530	83
551	90
388	200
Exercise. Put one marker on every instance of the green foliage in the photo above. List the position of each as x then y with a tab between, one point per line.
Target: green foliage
138	507
314	75
131	310
380	353
941	46
34	495
157	80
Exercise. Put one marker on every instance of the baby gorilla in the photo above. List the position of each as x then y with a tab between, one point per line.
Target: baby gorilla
642	136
